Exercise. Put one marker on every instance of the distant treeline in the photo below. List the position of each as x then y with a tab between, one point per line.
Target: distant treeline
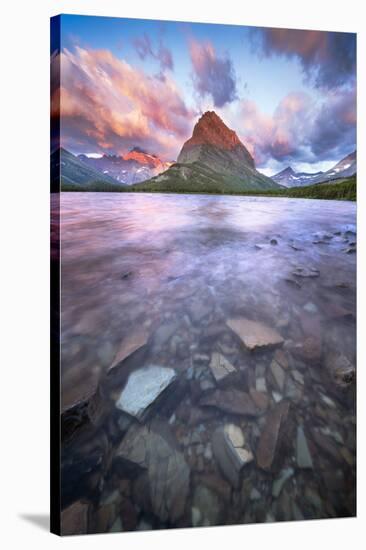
338	190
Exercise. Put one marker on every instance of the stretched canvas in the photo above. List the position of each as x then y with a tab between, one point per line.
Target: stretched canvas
203	263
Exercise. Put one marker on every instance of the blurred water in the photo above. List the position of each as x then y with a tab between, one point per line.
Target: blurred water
133	260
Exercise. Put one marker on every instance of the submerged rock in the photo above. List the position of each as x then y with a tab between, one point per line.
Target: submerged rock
231	401
143	388
220	367
306	272
74	519
167	472
310	350
131	343
228	448
278	374
271	442
340	369
303	456
254	334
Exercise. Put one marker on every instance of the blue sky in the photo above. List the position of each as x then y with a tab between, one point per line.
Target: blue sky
289	95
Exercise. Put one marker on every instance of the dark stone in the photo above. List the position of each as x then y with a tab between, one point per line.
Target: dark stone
275	437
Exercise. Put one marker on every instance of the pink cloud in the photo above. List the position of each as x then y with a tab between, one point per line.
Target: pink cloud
109	104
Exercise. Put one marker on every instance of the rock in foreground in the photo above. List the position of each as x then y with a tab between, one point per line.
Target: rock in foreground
254	334
168	473
143	387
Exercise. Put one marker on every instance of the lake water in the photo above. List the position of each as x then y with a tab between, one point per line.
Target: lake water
178	268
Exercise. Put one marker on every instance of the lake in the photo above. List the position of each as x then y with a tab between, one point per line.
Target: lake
247	305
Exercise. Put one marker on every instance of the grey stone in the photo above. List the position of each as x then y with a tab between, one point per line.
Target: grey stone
303	456
143	387
220	367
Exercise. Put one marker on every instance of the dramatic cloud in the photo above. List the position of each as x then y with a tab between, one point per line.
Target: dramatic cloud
213	75
328	59
108	105
301	129
334	128
162	54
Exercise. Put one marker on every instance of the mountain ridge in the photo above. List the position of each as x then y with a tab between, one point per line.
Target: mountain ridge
346	167
213	158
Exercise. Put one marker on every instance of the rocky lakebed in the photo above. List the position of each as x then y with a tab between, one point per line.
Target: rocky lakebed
208	361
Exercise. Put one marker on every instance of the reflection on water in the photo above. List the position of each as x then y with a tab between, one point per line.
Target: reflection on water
169	272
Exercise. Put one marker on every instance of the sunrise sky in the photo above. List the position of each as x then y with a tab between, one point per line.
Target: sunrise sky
290	95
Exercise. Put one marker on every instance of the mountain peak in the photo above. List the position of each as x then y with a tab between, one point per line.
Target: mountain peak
210	130
288	171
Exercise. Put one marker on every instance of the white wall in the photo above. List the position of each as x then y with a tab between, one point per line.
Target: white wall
24	272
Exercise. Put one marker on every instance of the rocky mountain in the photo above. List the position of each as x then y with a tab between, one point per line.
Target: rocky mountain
212	160
70	171
135	166
289	178
343	169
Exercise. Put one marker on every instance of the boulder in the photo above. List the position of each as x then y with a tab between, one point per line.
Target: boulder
254	334
144	386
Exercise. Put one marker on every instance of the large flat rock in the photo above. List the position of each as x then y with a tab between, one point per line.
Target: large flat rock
254	334
143	388
168	473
